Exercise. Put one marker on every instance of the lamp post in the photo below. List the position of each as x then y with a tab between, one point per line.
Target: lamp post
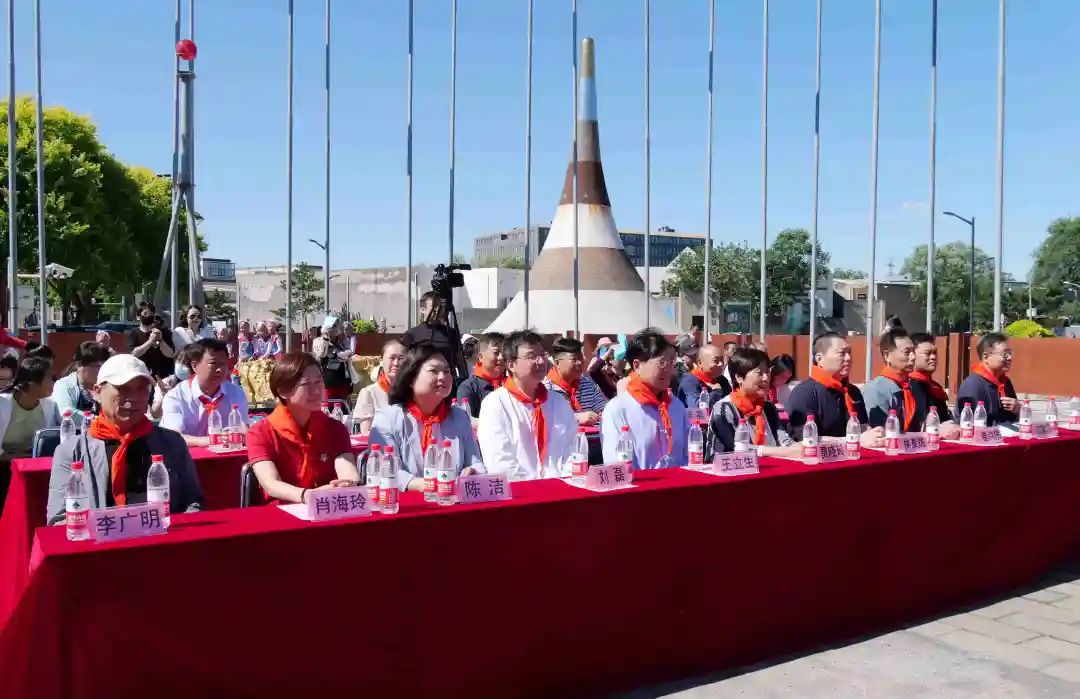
971	281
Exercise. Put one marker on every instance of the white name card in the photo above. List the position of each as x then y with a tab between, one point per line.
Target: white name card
831	452
608	476
987	436
1042	430
127	521
483	488
338	503
914	443
737	463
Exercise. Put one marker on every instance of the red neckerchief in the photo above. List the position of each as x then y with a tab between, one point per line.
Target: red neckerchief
384	382
909	398
106	431
937	391
982	371
645	396
701	376
537	404
831	382
427	422
571	391
751	408
208	405
480	372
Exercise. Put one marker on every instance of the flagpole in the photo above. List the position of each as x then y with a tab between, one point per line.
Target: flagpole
931	253
289	192
817	177
871	292
1000	166
706	296
574	197
453	116
648	184
528	155
764	168
409	172
13	185
40	145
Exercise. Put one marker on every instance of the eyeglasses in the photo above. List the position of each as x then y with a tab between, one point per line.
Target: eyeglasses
1007	354
535	358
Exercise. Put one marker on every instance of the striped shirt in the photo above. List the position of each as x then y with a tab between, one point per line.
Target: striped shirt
588	394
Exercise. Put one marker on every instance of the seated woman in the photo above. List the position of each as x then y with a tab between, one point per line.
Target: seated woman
9	367
299	448
420	415
28	409
750	369
377	395
780	374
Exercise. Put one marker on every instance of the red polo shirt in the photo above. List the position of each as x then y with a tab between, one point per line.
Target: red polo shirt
264	444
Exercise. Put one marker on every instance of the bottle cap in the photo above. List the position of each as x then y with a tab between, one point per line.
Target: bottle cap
982	403
76	465
235	406
447	443
810	417
67	413
376	447
1051	397
581	429
157	458
854	414
892	413
389	449
625	428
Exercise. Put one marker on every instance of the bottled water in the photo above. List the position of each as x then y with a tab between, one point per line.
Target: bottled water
892	434
852	436
703	407
743	440
967	424
337	414
372	475
388	482
695	447
447	475
67	427
1052	416
980	415
1025	419
326	408
431	466
580	458
624	448
453	403
1074	413
87	420
157	486
810	442
215	430
77	504
933	430
237	428
465	406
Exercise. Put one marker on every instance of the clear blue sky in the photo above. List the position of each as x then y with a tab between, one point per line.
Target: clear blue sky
112	61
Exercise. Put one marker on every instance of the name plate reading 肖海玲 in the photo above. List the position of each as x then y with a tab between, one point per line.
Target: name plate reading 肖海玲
987	436
914	443
608	477
830	452
338	503
127	521
738	463
483	488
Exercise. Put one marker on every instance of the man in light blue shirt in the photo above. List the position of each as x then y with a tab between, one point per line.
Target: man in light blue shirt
187	407
73	392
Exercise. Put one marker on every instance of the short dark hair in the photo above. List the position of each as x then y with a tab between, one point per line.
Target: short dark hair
646	344
822	341
32	370
782	363
746	359
987	342
401	389
566	345
730	343
288	371
190	355
36	349
489	339
919	338
90	353
9	362
516	339
198	349
888	339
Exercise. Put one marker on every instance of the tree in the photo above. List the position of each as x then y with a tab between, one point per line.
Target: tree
219	307
1057	261
849	273
307	297
506	262
952	272
787	267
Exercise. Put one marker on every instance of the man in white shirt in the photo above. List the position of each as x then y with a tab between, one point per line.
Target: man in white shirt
187	407
525	431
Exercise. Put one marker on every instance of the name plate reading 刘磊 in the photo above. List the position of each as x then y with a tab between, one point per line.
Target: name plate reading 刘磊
338	503
831	452
1042	430
739	463
914	443
987	437
483	488
608	477
127	521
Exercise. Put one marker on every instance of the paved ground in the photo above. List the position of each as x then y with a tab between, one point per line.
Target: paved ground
1023	646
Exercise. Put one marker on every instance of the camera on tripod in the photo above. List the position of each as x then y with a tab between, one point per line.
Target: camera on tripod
446	278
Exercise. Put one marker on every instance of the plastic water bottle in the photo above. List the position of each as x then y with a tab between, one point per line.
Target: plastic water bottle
465	406
237	428
87	420
810	442
892	434
1074	413
372	476
1052	416
447	475
852	437
453	403
743	440
337	414
388	482
215	430
77	504
580	459
967	424
326	408
157	486
432	459
933	430
1025	419
980	414
695	447
704	409
67	427
624	448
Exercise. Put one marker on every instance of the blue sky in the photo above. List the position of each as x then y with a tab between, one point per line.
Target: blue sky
112	61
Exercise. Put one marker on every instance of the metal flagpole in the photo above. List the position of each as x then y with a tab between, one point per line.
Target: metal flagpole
326	242
1000	165
574	198
931	254
289	191
817	173
648	187
528	155
871	292
39	143
408	169
764	166
708	177
189	185
173	243
13	137
453	110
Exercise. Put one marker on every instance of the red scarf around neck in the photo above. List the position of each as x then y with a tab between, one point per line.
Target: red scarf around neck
831	382
904	383
427	422
106	431
701	376
644	395
571	391
480	372
208	405
537	404
312	439
384	381
937	391
751	408
984	372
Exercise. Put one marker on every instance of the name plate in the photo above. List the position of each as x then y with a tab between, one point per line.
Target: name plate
608	476
483	488
127	521
338	503
987	436
697	416
1042	430
831	452
737	463
914	443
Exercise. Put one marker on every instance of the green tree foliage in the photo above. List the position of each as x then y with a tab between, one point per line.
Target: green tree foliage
849	273
787	268
1057	261
951	281
362	326
219	307
1026	328
506	262
307	299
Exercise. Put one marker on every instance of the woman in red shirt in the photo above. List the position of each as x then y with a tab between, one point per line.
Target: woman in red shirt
299	448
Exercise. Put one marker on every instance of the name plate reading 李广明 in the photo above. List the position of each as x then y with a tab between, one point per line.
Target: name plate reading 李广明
987	437
914	443
127	521
483	488
608	477
737	463
831	452
338	503
1042	430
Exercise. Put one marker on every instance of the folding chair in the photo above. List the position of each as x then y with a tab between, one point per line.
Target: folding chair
249	487
45	442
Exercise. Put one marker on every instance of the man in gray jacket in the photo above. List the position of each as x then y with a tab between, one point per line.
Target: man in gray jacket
118	448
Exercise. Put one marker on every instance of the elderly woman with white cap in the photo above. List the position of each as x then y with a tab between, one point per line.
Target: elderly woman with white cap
334	356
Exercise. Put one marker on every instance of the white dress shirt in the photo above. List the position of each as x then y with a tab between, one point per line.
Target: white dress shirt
508	438
183	412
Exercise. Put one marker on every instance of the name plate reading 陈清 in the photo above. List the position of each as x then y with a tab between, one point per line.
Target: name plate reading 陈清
737	463
608	477
914	443
338	503
483	488
987	436
127	521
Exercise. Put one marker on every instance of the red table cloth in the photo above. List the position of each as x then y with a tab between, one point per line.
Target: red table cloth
560	592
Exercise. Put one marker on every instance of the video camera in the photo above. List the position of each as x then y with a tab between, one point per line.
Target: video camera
446	278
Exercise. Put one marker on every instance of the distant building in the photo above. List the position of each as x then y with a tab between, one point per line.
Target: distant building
509	243
665	245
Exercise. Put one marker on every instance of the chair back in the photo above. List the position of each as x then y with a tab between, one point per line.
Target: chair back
45	442
249	487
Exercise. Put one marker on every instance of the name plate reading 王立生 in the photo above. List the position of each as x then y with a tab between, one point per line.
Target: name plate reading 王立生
735	463
608	477
483	488
987	436
338	503
914	443
127	521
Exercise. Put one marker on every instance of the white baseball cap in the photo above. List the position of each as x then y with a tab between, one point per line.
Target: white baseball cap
122	368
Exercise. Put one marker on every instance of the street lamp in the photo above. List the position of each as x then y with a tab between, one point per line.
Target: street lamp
326	272
971	284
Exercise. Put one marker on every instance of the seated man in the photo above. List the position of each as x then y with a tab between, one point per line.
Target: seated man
187	407
567	376
892	389
118	449
657	423
922	380
73	392
525	430
989	382
488	374
828	396
707	375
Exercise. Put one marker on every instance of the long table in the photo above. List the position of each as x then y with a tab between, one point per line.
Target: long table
559	592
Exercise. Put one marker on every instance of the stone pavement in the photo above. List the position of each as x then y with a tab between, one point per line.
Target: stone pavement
1025	645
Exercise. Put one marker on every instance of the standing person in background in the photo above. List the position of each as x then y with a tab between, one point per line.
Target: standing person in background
781	371
470	348
686	350
74	392
488	373
567	376
706	376
187	407
334	357
657	423
376	396
729	349
989	382
191	329
598	369
103	339
150	344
